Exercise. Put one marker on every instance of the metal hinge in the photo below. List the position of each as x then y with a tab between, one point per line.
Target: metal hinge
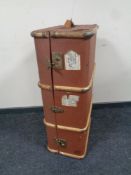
57	61
61	142
57	109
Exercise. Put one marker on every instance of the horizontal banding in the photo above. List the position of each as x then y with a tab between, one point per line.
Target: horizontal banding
68	88
71	128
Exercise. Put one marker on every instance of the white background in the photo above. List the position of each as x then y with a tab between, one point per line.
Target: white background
18	68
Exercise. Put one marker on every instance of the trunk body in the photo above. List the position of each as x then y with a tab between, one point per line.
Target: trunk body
65	60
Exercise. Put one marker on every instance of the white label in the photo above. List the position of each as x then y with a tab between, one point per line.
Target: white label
71	100
72	60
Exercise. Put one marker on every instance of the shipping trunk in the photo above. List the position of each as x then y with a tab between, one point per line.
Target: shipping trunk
65	57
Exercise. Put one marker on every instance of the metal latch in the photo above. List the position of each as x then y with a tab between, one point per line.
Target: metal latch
50	64
61	142
57	109
57	61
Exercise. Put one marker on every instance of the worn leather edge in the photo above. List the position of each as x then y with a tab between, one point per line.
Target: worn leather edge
73	34
73	155
38	34
68	128
63	34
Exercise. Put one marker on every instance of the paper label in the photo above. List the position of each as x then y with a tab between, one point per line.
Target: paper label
71	100
72	60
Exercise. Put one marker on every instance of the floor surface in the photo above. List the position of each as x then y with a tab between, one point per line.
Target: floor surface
23	146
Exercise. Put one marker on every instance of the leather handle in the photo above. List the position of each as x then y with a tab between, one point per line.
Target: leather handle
68	24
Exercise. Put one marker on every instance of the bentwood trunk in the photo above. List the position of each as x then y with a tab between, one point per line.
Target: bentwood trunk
65	57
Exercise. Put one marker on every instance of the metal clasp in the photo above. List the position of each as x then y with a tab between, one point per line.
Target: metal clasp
57	61
61	142
56	109
50	65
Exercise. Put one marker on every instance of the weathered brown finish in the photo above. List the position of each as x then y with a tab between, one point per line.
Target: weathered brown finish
75	116
67	124
70	128
77	31
84	49
43	57
76	143
67	88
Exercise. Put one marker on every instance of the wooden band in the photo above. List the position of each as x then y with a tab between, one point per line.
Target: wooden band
65	34
67	88
73	155
68	128
76	34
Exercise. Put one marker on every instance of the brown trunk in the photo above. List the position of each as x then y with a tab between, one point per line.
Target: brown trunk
65	58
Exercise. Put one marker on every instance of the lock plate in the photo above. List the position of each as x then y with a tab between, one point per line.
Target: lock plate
57	60
61	142
56	109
